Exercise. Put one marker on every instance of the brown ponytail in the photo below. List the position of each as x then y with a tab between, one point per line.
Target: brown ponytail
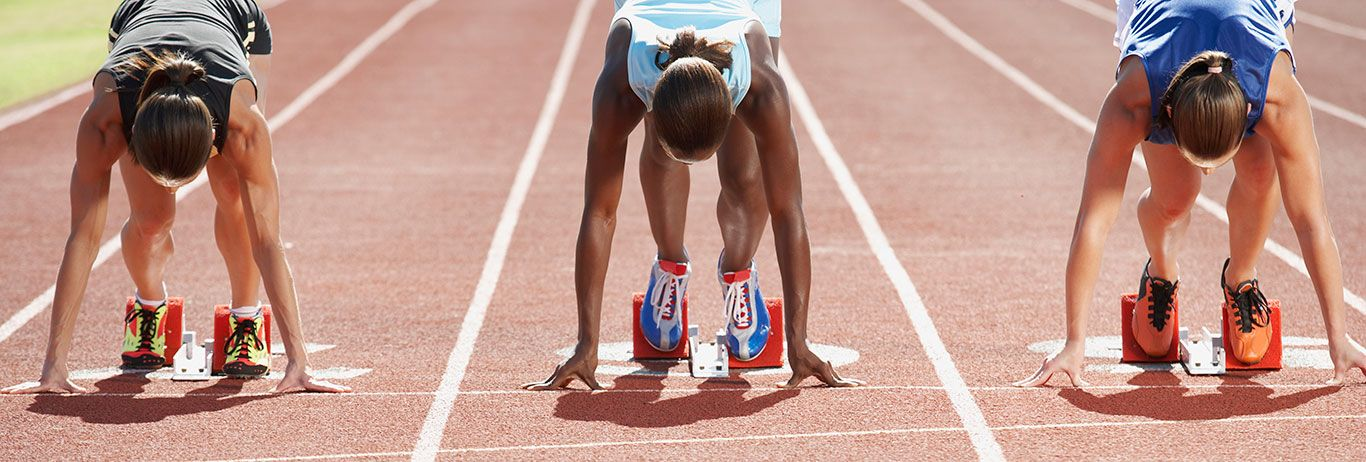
692	102
1207	112
173	131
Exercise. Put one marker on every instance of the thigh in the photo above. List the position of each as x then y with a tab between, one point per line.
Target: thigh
149	203
1255	161
737	160
1175	181
223	180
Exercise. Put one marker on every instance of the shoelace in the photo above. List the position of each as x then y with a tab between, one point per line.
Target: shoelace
666	294
737	304
147	325
1162	297
243	338
1251	308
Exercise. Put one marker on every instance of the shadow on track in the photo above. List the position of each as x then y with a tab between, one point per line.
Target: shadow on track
643	408
115	401
1167	400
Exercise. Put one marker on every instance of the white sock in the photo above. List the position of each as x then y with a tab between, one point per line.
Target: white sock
246	311
151	303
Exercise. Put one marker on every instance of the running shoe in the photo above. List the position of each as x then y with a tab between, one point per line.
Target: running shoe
661	316
747	323
1152	316
144	337
244	351
1249	319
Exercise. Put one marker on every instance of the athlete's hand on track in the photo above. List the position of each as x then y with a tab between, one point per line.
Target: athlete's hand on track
1352	357
299	381
581	366
807	364
1067	361
62	385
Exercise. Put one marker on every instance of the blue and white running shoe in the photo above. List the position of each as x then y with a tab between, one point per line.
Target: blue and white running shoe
661	316
747	323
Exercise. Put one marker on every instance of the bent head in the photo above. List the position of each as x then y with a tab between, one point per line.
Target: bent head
1206	110
173	132
692	103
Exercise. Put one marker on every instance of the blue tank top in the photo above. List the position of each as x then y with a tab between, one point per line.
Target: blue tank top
1167	33
653	20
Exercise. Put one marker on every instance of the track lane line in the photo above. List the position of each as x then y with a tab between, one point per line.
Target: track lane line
983	441
288	113
1089	125
1331	109
434	425
1330	25
891	431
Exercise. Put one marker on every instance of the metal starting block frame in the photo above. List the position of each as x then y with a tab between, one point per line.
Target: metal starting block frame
193	363
708	359
1202	356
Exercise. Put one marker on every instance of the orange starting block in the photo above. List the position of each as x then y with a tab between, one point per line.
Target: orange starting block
1134	353
772	356
171	326
774	350
221	314
1272	359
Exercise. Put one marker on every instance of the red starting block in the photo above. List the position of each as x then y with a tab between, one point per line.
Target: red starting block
1133	353
1271	360
171	326
221	315
641	349
773	353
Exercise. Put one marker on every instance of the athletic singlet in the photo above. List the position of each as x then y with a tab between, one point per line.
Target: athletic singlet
653	20
219	34
1165	34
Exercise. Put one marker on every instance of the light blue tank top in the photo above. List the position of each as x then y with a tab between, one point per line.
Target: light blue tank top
653	20
1167	33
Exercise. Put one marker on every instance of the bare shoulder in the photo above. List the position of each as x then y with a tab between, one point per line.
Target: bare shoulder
244	118
1131	87
1283	91
103	113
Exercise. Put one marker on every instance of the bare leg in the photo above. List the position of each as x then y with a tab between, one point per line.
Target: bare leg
230	230
146	236
1252	202
666	185
741	210
1164	209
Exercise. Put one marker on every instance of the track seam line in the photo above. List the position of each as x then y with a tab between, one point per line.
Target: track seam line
307	97
434	425
983	441
1331	109
1085	123
890	431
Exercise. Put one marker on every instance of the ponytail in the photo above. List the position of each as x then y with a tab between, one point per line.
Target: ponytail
1205	107
686	45
692	102
173	130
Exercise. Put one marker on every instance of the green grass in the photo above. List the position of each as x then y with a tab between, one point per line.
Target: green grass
46	45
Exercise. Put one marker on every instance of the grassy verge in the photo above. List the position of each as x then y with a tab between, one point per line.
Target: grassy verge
50	44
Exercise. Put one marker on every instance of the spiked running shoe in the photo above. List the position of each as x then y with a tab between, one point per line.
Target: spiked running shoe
244	350
1153	314
747	323
1249	319
661	316
144	337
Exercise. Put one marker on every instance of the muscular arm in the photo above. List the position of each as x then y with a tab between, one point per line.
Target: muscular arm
616	111
260	73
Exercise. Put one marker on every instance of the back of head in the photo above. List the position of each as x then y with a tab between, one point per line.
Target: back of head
692	103
173	132
1205	108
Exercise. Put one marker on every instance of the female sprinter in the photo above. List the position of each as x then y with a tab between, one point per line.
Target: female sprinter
1193	109
686	67
182	91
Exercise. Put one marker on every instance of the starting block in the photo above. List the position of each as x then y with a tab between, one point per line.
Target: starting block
1202	356
171	326
708	359
1271	360
193	362
221	314
1134	353
711	359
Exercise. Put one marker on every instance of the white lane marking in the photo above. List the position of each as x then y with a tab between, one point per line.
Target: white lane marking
983	441
434	426
1331	109
309	95
1298	353
331	373
23	114
1086	123
892	431
1329	25
615	359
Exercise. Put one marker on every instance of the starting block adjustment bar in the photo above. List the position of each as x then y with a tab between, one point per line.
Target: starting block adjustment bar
1202	356
708	359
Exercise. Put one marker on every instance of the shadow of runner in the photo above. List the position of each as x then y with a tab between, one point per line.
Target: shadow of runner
642	407
1168	400
115	401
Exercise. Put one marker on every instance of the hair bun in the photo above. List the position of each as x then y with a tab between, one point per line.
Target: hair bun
686	44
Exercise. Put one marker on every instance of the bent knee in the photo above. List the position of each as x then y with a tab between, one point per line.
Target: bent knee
1171	206
151	227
